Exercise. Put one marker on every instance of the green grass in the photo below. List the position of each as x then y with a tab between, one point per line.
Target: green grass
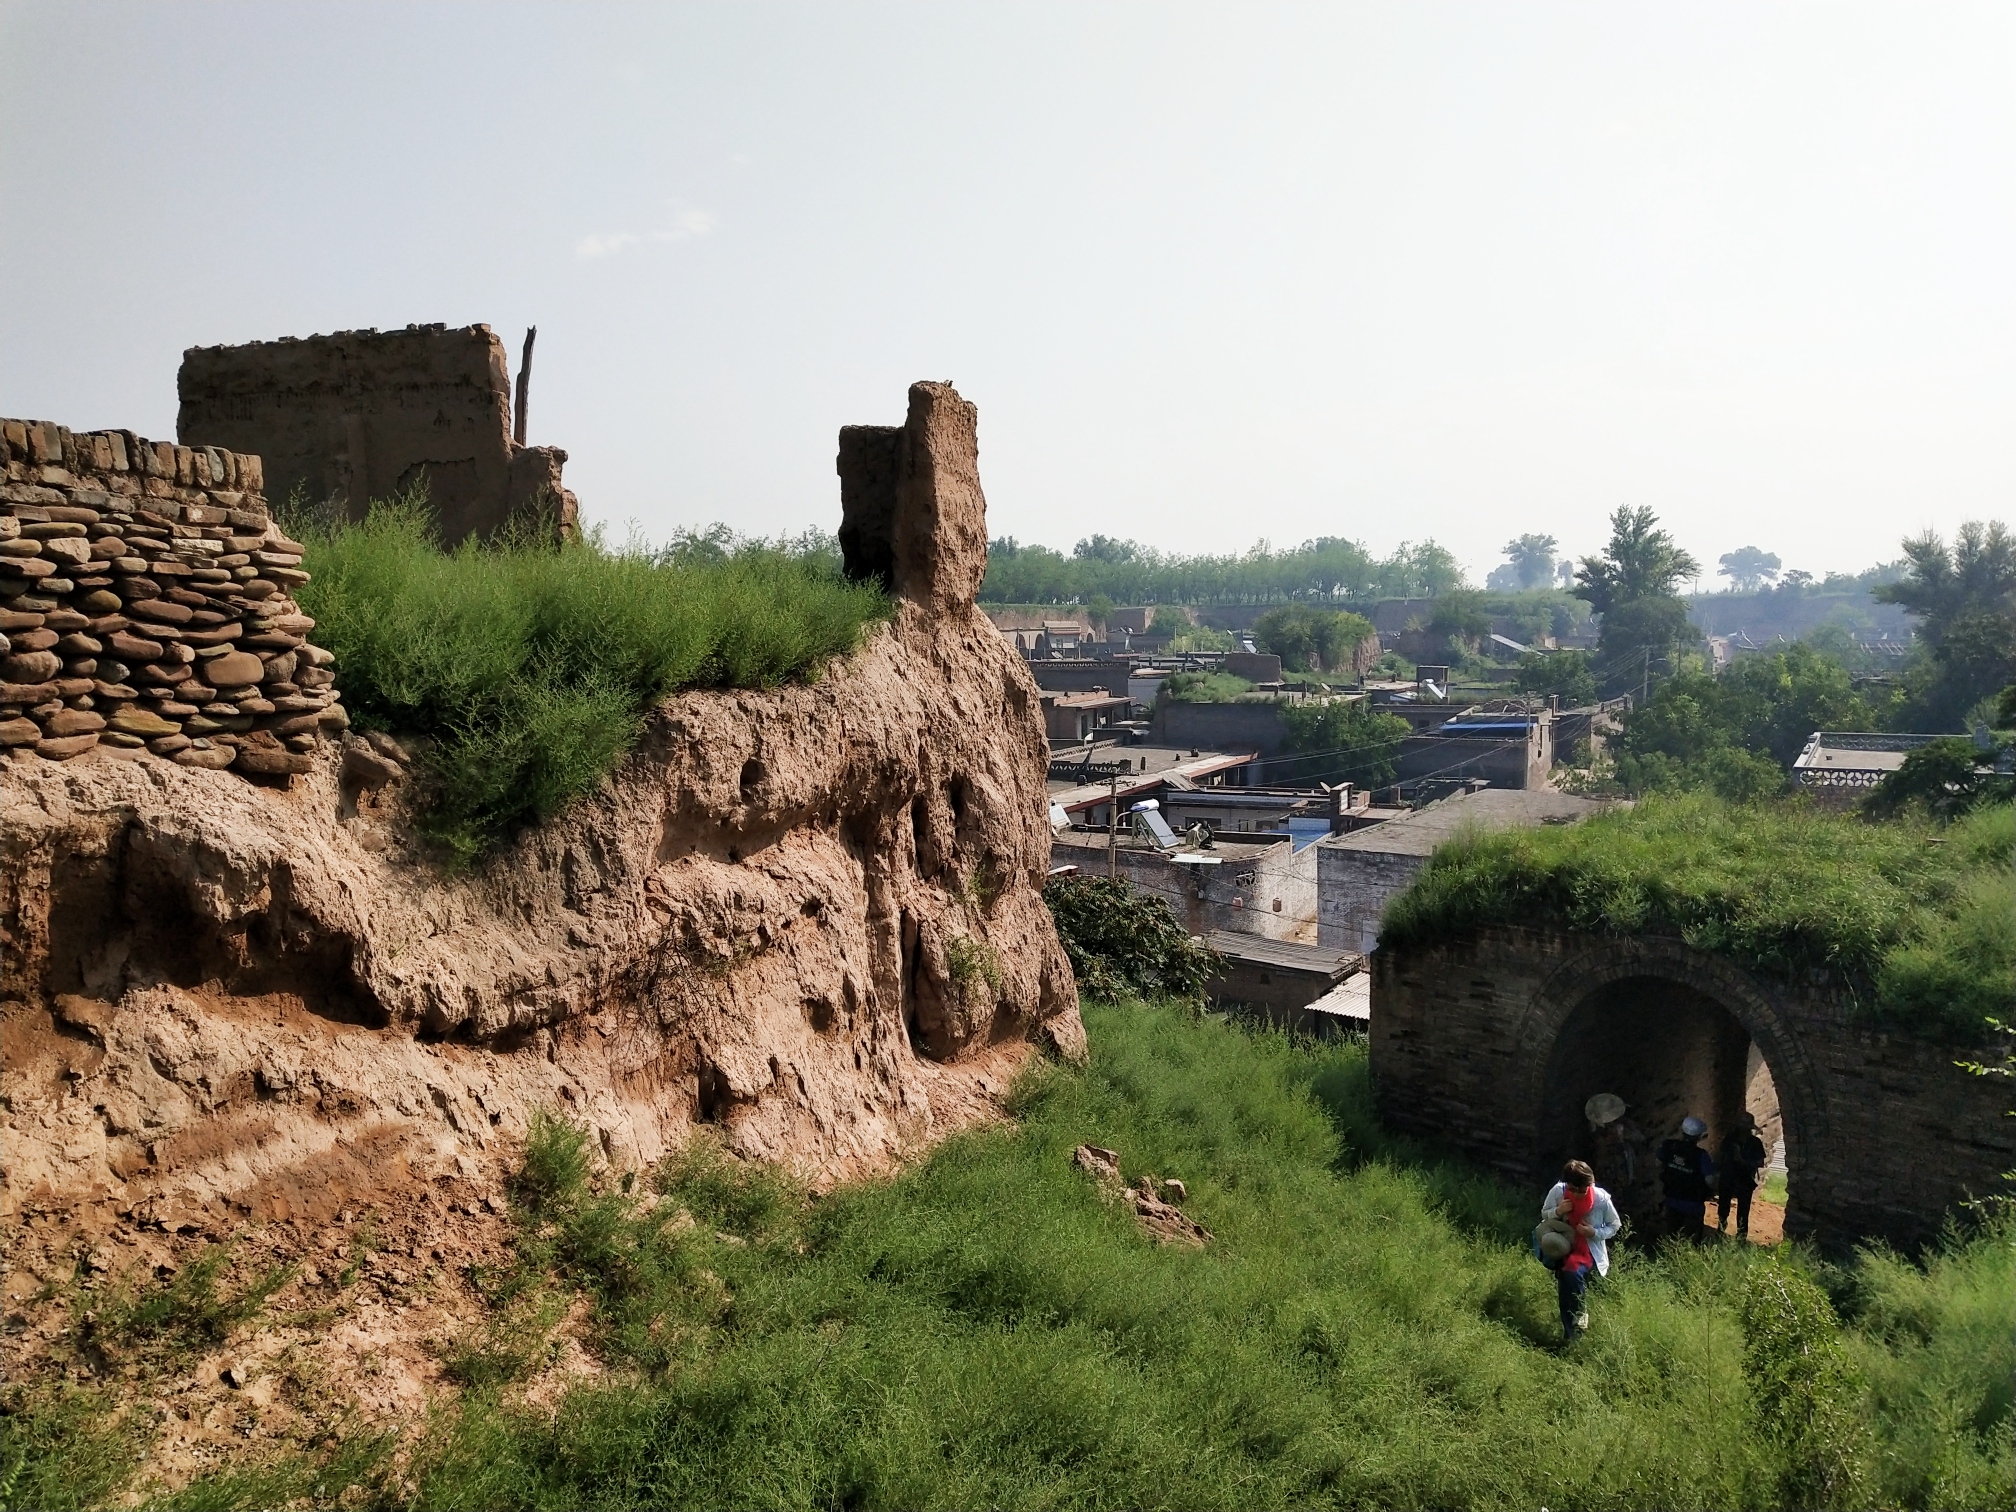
1919	920
1366	1329
1204	687
531	666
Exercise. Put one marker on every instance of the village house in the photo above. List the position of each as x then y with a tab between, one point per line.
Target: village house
1358	874
1839	768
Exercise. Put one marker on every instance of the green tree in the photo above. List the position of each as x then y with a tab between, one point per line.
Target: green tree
1965	601
1561	674
1327	571
1460	614
1944	777
1641	562
1312	640
1738	734
1122	943
1099	609
1531	558
1341	740
1632	586
1748	569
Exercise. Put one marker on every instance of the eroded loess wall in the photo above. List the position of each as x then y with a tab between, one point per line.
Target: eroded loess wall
808	918
363	415
146	607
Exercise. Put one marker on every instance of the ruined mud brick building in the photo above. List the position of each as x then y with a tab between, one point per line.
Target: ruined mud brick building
1491	1043
146	607
363	415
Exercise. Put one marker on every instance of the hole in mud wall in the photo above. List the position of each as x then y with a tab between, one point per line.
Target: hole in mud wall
1669	1052
711	1098
958	795
753	775
920	836
85	921
912	945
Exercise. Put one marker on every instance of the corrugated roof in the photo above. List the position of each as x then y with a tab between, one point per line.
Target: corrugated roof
1285	955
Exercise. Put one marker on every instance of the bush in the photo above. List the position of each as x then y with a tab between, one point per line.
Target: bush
1204	687
1925	920
1122	943
1312	640
1807	1390
531	666
1341	740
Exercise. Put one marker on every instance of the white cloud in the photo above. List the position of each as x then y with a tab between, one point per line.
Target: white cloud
686	222
606	246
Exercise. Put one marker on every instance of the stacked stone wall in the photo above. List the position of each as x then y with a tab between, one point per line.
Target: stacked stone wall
147	608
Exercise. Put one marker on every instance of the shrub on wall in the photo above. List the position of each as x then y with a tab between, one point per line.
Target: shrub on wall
530	665
1920	922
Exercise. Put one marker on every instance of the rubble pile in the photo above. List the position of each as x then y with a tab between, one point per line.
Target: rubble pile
146	607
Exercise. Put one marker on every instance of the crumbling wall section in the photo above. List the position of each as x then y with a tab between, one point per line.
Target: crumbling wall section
146	607
362	415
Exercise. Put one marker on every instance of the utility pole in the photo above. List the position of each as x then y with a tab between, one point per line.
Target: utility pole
1113	826
524	384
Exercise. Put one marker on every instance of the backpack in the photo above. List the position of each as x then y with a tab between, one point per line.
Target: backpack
1680	1171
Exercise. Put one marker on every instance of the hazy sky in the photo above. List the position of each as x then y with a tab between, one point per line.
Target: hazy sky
1211	273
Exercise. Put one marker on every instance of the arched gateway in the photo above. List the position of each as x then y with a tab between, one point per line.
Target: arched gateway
1491	1043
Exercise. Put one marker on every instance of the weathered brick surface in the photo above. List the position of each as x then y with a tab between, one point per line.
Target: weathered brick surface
362	415
1884	1133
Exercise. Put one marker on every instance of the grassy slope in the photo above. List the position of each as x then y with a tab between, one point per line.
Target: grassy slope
1923	919
532	667
1365	1330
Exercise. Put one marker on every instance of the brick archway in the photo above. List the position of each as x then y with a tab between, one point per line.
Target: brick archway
1575	988
1885	1133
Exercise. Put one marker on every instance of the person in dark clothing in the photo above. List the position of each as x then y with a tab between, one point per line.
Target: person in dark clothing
1742	1160
1686	1172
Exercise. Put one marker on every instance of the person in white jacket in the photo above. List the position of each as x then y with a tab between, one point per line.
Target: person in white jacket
1578	1220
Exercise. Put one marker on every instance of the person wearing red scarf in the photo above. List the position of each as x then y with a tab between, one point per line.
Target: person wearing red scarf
1592	1220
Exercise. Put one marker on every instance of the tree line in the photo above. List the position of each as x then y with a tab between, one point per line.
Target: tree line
1328	569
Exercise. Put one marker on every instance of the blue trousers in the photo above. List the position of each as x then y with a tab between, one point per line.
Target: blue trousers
1571	1284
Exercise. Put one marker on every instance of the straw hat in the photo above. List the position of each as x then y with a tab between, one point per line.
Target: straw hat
1603	1108
1555	1240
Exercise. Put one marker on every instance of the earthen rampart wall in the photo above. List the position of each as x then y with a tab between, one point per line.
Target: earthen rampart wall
363	415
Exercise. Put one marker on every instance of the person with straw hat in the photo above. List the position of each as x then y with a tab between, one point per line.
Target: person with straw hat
1577	1221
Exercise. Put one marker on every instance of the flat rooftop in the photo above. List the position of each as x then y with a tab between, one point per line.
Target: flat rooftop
1232	849
1418	833
1857	751
1152	767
